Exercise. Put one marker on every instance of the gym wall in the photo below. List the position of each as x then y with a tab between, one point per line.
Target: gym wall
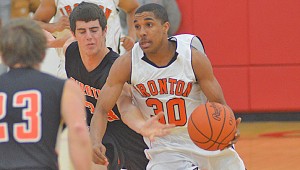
254	48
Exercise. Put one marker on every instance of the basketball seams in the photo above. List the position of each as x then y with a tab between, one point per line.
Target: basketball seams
232	130
224	120
208	118
217	120
223	125
198	130
210	125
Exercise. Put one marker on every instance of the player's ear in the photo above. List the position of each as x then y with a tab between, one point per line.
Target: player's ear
104	31
166	27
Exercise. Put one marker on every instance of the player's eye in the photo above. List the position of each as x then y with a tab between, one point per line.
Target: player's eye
94	29
149	24
81	32
137	27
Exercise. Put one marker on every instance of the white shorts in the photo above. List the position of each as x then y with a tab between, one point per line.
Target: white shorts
228	159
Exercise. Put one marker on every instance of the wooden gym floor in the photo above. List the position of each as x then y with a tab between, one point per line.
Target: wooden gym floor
270	145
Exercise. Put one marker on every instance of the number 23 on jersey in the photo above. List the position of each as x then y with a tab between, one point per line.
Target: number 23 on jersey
30	130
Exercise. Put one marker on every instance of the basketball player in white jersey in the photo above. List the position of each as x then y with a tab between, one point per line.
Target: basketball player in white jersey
169	79
60	10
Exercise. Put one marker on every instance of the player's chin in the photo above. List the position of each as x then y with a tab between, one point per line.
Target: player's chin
90	51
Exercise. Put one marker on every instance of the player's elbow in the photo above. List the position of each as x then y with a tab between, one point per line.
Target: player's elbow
78	127
80	144
132	8
80	130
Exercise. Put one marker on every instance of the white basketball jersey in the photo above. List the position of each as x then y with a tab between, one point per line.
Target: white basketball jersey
172	89
174	86
110	8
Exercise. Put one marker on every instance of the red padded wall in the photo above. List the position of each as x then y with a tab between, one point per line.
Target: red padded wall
275	88
235	84
253	46
274	31
222	27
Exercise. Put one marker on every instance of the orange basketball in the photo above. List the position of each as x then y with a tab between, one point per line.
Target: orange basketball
212	126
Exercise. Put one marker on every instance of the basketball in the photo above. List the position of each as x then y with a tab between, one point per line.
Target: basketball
212	126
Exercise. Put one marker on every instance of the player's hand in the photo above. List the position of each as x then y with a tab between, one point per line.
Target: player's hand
99	155
153	128
62	23
237	133
127	42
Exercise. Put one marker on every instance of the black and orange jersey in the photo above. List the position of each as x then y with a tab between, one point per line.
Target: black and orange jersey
90	82
118	137
30	105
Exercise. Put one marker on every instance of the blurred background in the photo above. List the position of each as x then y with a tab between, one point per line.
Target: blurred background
254	48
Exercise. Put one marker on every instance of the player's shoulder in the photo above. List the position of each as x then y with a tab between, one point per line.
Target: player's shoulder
44	79
112	55
190	39
124	60
50	78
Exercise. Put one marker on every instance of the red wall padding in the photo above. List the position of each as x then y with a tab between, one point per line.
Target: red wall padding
254	48
275	88
222	27
274	31
235	84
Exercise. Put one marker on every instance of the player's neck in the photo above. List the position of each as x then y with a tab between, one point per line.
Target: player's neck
163	55
18	65
92	61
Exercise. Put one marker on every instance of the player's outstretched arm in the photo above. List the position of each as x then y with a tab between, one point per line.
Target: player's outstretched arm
133	118
118	75
65	40
73	113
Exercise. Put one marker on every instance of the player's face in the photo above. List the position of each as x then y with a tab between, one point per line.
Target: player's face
150	31
90	37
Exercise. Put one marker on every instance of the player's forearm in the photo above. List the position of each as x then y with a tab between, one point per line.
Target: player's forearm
130	113
98	127
50	27
133	118
59	42
130	24
80	147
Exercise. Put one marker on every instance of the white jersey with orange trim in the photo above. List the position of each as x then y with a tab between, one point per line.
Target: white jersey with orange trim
110	8
174	90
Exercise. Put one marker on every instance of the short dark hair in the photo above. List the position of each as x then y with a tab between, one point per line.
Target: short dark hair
158	11
86	11
22	42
